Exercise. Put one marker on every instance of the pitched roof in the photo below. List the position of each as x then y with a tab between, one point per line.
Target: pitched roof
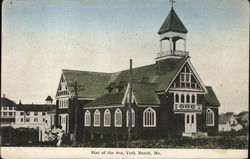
210	98
107	99
49	98
145	93
94	83
223	118
34	107
172	23
7	102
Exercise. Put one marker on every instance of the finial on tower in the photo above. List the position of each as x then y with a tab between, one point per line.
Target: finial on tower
172	2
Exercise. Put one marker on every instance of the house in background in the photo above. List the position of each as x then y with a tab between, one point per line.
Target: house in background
228	122
168	97
8	111
35	115
243	119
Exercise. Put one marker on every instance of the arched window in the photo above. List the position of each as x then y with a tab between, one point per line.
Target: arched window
133	117
193	98
188	98
87	118
209	117
149	118
187	118
97	117
182	98
118	118
107	118
177	98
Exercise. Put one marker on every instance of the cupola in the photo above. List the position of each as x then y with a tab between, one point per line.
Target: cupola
171	31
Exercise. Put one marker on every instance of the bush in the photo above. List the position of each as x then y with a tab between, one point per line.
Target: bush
19	136
215	142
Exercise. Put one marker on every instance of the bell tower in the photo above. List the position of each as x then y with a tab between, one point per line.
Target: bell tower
171	31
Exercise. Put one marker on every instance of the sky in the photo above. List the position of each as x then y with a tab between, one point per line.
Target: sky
41	37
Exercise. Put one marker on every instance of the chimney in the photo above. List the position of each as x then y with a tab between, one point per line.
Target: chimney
20	102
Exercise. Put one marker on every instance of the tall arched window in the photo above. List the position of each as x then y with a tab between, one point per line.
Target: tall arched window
187	118
193	98
87	118
107	118
188	98
209	117
177	98
133	117
97	117
118	118
182	98
149	118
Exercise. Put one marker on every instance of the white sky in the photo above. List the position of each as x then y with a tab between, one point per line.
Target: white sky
42	37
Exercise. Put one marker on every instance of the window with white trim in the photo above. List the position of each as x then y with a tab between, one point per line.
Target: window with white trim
118	118
107	118
149	118
87	118
133	117
97	118
64	103
209	117
184	97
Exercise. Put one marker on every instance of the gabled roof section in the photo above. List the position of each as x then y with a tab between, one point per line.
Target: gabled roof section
167	70
210	98
7	102
172	23
94	83
49	98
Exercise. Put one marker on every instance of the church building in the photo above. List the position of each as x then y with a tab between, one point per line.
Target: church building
167	99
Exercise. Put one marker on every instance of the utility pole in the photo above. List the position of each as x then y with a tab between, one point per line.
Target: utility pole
130	102
76	89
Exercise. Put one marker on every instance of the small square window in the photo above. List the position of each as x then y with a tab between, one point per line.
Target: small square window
4	108
10	108
10	113
27	113
27	119
35	119
35	113
21	113
44	113
5	114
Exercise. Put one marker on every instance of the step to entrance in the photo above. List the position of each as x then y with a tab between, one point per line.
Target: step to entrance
191	134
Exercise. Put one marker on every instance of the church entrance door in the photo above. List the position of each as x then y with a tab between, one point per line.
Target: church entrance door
190	122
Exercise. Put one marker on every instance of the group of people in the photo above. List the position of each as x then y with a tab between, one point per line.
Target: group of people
51	134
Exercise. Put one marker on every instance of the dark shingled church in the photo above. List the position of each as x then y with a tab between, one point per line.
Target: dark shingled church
168	98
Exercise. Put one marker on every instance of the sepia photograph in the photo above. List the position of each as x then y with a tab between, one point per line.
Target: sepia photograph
125	79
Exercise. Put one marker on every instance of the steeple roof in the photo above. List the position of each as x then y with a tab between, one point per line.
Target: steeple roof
172	23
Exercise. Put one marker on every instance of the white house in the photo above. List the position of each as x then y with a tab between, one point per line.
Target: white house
7	111
35	115
228	122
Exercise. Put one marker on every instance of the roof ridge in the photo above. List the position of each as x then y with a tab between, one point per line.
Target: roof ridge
86	71
108	72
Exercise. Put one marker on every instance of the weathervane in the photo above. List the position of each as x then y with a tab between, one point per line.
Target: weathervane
172	2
